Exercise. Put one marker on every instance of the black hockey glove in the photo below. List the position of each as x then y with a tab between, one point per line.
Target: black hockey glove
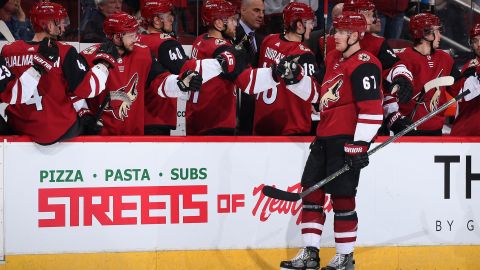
287	69
189	81
233	62
46	56
107	54
403	88
90	125
396	122
356	154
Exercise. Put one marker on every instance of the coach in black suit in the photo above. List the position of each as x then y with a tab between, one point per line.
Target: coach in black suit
251	19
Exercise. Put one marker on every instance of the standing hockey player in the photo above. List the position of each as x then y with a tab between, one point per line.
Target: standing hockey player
49	115
279	111
468	111
133	73
425	63
212	111
351	113
161	113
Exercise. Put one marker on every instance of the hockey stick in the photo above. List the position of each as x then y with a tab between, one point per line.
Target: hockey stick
325	18
435	83
102	107
275	193
6	32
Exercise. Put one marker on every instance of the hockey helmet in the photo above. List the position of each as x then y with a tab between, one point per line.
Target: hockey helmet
351	21
119	23
297	11
43	12
421	23
153	8
213	10
475	31
358	5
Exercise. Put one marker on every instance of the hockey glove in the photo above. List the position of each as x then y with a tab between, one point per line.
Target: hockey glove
47	55
403	88
107	54
396	122
189	81
233	62
356	154
288	69
90	125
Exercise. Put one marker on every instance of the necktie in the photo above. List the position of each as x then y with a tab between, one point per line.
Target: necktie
251	40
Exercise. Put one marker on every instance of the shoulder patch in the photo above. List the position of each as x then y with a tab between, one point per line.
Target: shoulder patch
89	50
219	42
165	36
303	48
140	45
364	57
473	63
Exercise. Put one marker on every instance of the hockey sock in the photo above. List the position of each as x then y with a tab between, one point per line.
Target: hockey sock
345	224
313	218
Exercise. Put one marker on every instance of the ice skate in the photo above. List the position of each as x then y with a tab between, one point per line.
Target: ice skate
306	259
341	262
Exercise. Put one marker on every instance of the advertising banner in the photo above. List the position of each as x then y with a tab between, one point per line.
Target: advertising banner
141	196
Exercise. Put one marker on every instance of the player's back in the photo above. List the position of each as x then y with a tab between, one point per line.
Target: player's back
124	114
214	106
279	111
49	113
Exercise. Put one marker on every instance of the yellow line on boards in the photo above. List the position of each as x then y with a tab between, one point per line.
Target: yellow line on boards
368	258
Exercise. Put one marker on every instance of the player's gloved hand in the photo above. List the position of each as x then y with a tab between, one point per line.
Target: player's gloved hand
46	56
233	62
107	54
90	125
189	81
288	70
403	88
356	154
396	122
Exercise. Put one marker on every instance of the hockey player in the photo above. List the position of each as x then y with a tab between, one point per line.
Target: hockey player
426	63
133	73
279	111
351	113
372	43
468	110
161	113
48	116
212	111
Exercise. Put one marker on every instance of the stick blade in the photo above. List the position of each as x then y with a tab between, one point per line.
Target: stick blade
276	193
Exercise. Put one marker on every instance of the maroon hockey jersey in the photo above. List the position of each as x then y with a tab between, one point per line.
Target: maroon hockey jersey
468	111
213	107
424	69
49	113
351	99
162	111
279	111
126	85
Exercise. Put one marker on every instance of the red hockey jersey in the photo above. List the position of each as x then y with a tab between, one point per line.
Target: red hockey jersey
126	85
279	111
49	113
424	69
468	109
213	107
162	111
351	99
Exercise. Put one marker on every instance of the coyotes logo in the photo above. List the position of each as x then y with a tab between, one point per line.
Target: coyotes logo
333	91
122	99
